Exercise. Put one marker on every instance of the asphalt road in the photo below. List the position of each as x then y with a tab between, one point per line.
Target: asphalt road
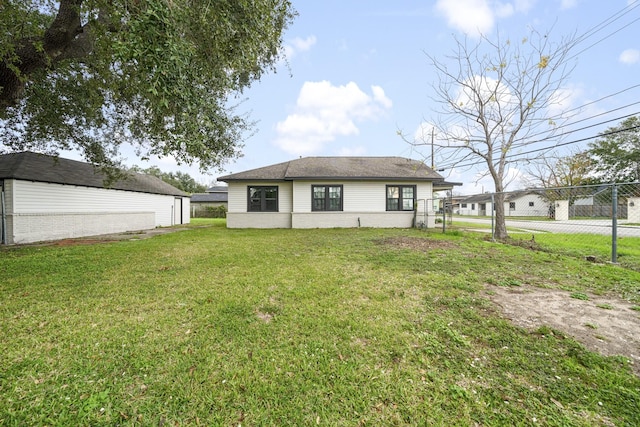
603	227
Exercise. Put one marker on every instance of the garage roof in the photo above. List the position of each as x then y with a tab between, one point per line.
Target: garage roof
29	166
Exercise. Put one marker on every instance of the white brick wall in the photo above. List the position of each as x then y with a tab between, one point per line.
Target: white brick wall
38	211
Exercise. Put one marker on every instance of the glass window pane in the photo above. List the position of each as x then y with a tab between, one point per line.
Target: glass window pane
392	204
407	204
318	204
407	192
318	192
270	192
255	204
271	205
393	192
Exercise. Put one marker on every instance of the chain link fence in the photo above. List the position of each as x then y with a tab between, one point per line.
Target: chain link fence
610	210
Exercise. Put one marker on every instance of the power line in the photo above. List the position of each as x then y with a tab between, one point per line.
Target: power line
532	142
605	23
480	162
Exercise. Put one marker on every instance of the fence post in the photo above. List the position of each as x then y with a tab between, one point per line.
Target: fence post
614	224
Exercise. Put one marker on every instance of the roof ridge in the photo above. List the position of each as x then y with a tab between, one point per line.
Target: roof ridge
286	171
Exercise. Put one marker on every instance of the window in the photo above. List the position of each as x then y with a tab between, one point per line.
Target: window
464	205
530	204
326	197
262	199
512	206
401	197
473	206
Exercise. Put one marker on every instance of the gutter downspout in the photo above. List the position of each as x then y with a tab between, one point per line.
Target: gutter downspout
3	226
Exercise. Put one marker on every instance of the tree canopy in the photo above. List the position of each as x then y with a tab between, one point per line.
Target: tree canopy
615	155
181	180
163	75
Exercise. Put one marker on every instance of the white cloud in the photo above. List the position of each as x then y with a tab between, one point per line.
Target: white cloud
568	4
324	111
298	45
475	17
564	99
630	56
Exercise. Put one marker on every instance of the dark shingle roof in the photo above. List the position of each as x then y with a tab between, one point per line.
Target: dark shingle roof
477	198
218	189
210	197
344	168
30	166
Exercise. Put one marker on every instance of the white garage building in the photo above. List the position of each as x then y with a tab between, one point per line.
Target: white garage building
45	198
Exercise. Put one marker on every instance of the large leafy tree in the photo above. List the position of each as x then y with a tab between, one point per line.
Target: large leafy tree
163	75
497	100
616	153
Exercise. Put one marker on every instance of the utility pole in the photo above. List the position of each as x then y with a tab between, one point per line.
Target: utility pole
433	160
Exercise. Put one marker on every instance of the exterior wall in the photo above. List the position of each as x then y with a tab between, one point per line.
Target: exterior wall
28	228
238	217
42	211
364	205
186	210
540	206
473	209
352	219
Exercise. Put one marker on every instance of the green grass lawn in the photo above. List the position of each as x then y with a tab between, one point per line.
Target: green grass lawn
211	326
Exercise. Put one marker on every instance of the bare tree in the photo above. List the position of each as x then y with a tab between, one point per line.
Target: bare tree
569	170
498	101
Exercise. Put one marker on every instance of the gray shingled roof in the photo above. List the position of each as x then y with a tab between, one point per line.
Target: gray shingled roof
30	166
218	189
477	198
343	168
218	197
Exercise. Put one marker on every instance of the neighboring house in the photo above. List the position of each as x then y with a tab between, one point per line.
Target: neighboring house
204	204
323	192
476	205
46	198
517	203
526	203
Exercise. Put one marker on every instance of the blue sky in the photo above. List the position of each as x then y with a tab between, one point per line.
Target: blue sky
358	73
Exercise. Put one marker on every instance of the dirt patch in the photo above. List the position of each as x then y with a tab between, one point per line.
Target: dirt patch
606	325
105	238
416	243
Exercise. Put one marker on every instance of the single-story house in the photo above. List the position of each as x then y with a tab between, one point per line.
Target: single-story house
48	198
476	205
526	203
204	204
324	192
516	203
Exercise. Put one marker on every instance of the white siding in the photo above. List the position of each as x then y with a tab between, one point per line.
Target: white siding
364	205
186	210
474	209
43	211
358	196
238	217
540	206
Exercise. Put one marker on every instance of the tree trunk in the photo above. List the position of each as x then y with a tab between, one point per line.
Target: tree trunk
500	225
